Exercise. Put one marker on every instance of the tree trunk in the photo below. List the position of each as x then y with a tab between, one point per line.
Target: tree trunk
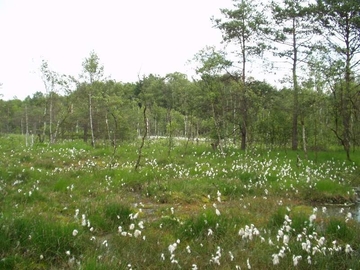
91	121
107	127
44	127
146	126
50	117
346	101
170	132
217	130
26	125
294	142
243	127
114	143
304	139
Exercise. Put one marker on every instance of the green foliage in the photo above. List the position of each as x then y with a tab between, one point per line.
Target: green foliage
37	240
202	226
116	213
196	202
329	191
339	229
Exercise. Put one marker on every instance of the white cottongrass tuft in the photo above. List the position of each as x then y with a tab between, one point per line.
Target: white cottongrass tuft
248	263
276	260
348	249
296	259
312	218
137	233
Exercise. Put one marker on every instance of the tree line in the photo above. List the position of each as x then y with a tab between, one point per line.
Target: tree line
316	108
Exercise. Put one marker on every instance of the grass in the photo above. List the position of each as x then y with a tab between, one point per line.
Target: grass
68	206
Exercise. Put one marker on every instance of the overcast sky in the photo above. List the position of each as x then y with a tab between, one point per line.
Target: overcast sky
131	37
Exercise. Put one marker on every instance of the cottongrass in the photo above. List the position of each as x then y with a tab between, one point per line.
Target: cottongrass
212	237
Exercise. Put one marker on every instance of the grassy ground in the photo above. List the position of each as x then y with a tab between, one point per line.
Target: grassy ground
68	206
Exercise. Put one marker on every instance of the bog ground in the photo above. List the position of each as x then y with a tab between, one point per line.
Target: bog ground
69	206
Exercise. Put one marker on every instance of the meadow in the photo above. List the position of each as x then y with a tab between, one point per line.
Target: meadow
70	206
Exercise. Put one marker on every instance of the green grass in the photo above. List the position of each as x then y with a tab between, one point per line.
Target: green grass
48	191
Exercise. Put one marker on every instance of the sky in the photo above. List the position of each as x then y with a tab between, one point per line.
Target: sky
131	38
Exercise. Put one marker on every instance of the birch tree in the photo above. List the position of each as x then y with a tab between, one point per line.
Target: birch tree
93	72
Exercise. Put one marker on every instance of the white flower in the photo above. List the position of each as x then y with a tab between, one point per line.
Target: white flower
312	218
67	252
275	259
287	228
248	263
210	232
76	213
286	239
309	259
83	220
137	233
132	226
188	249
217	212
287	219
231	256
75	232
299	237
321	241
280	233
348	248
348	216
296	259
218	196
41	257
282	252
194	267
172	248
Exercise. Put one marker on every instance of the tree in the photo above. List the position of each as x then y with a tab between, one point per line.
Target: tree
339	22
92	73
145	91
294	34
49	78
55	106
211	64
244	26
